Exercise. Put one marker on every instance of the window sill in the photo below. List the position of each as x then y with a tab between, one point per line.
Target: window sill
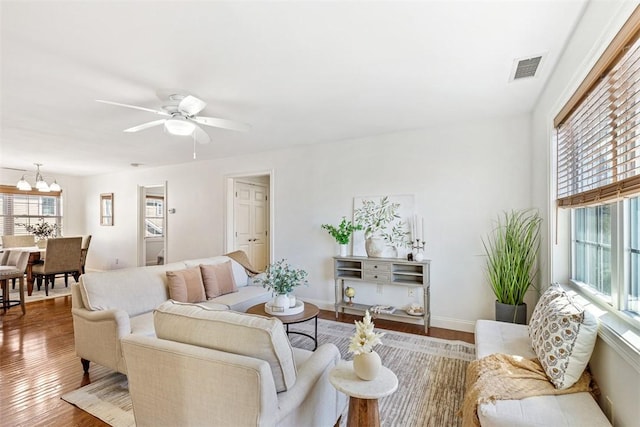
615	329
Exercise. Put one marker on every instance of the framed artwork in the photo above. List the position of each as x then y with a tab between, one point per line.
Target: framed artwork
106	209
405	212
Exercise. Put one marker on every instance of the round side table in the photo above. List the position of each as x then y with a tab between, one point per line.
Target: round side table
363	395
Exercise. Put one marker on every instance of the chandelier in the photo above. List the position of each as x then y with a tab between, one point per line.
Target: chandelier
41	184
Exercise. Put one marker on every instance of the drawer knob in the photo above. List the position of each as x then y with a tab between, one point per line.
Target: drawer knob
375	277
375	266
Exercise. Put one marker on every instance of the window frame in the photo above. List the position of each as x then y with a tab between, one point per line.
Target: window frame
9	218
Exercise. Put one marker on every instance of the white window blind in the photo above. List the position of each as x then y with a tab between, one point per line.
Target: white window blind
598	136
19	208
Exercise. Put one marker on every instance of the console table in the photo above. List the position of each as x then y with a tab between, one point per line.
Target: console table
382	271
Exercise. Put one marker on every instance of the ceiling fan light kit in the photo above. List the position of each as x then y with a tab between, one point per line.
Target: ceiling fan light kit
41	184
181	115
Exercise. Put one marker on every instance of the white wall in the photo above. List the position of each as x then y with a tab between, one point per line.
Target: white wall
617	379
461	176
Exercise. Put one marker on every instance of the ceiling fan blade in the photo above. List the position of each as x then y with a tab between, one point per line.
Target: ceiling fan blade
221	123
145	125
162	113
201	136
191	105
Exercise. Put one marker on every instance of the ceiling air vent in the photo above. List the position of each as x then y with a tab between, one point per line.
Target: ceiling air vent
525	68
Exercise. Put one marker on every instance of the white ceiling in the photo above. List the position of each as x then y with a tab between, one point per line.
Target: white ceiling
298	72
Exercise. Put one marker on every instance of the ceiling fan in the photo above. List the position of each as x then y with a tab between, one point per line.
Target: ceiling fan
181	111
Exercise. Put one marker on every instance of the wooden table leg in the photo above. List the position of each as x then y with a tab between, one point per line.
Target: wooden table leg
363	413
33	258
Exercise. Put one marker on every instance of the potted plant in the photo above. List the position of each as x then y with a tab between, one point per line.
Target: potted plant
342	233
42	230
366	362
281	278
382	226
512	253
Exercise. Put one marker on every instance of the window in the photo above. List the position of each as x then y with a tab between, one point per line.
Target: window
21	208
154	216
598	174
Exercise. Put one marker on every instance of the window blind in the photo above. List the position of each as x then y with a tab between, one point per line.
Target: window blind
19	208
598	136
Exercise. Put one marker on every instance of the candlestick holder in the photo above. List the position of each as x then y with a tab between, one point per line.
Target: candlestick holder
418	247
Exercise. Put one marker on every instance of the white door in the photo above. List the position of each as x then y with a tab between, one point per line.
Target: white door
251	222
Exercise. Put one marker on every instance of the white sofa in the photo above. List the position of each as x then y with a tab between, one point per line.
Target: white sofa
575	410
108	306
235	369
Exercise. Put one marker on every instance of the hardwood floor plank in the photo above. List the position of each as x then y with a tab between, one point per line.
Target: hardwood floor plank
38	363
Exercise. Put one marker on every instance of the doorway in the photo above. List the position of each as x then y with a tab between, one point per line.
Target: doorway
152	224
249	222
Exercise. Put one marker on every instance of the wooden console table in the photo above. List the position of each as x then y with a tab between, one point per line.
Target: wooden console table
382	271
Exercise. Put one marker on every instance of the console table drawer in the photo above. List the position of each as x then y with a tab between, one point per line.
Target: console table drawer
375	276
377	266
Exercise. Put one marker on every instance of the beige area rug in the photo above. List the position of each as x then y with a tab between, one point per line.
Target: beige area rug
38	295
430	372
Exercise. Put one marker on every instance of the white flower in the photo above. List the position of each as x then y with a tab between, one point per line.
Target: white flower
364	339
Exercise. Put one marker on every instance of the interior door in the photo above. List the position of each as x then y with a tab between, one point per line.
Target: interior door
251	222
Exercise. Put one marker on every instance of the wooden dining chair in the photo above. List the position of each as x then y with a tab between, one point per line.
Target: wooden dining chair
12	266
62	256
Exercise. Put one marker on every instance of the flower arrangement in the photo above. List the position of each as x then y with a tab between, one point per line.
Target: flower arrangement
342	233
42	230
382	218
364	339
281	278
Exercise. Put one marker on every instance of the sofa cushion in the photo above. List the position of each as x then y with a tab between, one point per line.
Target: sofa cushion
239	274
502	337
244	334
218	279
135	290
246	297
563	335
186	285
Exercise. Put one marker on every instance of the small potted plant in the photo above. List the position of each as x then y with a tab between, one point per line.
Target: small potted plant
366	362
42	230
281	278
382	226
342	233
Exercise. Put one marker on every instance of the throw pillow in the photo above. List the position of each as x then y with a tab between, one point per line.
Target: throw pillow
552	292
563	338
186	285
239	333
218	279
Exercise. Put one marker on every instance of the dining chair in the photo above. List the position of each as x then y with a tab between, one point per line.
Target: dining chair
86	240
18	242
12	266
62	256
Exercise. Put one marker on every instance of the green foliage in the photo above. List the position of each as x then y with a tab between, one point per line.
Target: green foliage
281	278
342	233
376	218
512	252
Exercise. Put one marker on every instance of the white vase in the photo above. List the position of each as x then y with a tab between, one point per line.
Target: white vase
367	365
280	303
375	246
419	256
344	250
292	300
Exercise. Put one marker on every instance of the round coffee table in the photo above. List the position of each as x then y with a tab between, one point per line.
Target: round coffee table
310	312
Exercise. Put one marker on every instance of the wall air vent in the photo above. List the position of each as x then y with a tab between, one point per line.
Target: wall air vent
525	68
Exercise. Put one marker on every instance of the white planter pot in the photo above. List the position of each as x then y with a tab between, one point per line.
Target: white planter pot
280	303
367	365
375	246
344	250
292	300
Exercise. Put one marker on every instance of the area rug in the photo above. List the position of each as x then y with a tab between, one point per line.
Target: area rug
430	372
39	295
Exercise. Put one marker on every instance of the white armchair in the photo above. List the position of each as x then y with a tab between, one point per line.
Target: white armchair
192	383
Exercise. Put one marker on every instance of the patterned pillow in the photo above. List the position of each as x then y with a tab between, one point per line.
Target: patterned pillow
562	336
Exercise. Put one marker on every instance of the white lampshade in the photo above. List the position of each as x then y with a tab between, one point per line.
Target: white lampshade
42	185
55	186
23	185
179	126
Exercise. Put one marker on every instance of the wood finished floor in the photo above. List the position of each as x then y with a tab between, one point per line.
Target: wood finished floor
38	363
